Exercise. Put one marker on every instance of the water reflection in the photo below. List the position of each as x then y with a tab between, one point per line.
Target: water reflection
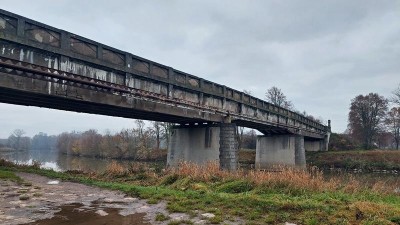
60	162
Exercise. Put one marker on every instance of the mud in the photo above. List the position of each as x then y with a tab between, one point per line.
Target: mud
78	214
37	202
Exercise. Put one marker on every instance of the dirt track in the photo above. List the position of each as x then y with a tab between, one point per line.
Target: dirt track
70	203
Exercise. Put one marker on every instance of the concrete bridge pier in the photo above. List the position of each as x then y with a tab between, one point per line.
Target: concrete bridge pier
195	144
314	145
287	150
204	143
228	149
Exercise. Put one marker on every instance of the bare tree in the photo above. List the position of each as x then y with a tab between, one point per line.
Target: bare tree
89	142
393	123
276	97
366	116
127	144
166	131
396	96
17	141
140	127
107	144
158	132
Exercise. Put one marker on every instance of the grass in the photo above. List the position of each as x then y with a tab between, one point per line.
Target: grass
257	197
8	175
161	217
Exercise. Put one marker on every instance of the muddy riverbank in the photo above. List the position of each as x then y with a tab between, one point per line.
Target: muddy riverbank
194	194
42	201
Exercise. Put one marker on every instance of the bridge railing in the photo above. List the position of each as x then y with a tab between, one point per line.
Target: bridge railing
59	49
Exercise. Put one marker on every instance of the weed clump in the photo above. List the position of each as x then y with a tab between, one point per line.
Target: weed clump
161	217
237	186
169	179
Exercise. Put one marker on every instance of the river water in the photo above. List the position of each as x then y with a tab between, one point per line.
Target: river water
61	162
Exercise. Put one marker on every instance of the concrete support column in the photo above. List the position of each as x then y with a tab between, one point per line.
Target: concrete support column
197	144
326	140
228	150
299	151
287	150
317	145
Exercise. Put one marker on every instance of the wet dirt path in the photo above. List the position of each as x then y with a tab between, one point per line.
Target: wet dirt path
75	214
38	202
42	201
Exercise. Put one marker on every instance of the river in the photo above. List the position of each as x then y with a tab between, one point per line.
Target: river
61	162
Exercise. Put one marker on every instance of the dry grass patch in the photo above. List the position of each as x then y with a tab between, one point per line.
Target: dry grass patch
284	178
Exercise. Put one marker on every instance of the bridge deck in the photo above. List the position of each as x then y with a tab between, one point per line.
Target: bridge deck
71	72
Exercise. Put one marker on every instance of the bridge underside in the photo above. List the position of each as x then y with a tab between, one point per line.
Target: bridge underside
17	97
33	92
25	88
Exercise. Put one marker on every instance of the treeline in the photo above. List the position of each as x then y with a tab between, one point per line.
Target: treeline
17	141
374	122
141	143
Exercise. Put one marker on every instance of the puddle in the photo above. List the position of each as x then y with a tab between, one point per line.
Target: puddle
77	214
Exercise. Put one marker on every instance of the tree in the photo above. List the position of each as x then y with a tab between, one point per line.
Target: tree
157	132
17	141
366	116
108	144
276	97
166	131
89	142
250	139
126	144
393	123
240	131
43	142
396	97
140	127
340	142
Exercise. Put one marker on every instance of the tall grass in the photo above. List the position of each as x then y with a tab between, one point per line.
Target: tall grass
285	179
281	177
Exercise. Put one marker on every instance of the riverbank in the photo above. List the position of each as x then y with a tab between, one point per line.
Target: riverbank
28	198
365	161
254	197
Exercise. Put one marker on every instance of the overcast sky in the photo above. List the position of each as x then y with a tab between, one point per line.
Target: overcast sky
320	53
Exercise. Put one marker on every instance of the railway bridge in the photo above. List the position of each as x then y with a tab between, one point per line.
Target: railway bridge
48	67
